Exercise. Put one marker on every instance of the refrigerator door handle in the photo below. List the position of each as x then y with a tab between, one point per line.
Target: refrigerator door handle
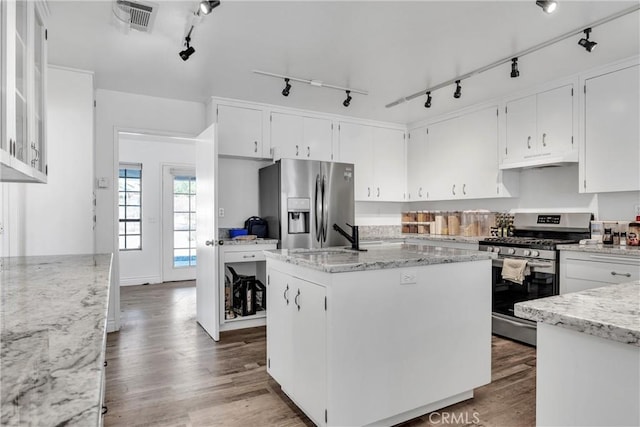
325	209
316	211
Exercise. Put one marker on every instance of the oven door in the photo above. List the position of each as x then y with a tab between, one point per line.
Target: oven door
541	282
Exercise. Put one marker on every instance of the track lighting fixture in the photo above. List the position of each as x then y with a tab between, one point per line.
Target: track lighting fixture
206	6
185	54
458	93
347	101
514	68
586	43
428	103
316	83
549	6
287	88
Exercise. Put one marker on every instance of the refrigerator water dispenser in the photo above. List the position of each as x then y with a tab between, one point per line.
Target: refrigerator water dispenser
298	209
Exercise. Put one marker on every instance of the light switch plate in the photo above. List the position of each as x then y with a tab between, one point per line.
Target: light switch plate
408	278
221	212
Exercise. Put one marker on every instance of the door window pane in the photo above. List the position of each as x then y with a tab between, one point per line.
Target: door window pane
184	221
130	206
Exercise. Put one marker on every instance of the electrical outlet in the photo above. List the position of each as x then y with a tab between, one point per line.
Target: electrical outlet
221	212
636	209
408	277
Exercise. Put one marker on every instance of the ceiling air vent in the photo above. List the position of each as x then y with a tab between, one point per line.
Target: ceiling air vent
136	14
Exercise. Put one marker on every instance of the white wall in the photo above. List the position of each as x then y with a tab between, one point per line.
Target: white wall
57	218
125	111
145	266
238	192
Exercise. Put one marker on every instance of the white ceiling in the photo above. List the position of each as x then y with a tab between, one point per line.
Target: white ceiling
390	49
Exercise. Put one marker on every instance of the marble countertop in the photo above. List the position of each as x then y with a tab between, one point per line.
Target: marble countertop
340	260
53	313
633	251
249	242
611	312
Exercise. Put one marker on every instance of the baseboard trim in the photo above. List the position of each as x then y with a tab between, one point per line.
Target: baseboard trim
133	281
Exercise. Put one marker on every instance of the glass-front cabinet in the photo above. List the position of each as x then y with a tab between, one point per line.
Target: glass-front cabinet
23	101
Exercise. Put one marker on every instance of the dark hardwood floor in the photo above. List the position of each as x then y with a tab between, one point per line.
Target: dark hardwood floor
164	370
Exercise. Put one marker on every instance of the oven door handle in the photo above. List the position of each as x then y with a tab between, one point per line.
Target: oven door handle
498	263
514	323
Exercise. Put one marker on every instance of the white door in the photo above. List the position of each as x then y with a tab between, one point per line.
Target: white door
240	131
318	139
555	120
356	147
178	223
521	128
389	164
207	293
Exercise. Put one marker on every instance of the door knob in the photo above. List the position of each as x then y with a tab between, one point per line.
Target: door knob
209	243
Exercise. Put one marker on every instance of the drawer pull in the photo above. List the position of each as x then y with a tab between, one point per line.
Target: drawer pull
286	294
613	273
249	256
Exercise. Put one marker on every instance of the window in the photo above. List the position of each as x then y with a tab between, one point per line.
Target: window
130	206
184	221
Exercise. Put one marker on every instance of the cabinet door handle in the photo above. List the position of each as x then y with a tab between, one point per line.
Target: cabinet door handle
308	151
528	142
368	191
453	189
378	193
255	146
544	139
285	295
296	300
249	256
613	273
420	192
464	189
297	151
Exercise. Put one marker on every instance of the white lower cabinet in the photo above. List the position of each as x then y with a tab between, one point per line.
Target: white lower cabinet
586	270
296	341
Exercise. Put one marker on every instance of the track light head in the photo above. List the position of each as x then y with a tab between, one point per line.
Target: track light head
347	101
458	93
287	88
428	103
514	68
185	54
549	6
206	6
586	43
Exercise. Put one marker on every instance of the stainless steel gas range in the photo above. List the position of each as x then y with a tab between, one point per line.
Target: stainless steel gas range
535	240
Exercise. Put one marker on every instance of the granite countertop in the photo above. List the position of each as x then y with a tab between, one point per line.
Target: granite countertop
611	312
442	237
53	312
599	248
258	241
340	260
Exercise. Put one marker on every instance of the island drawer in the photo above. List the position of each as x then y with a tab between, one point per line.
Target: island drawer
244	256
603	268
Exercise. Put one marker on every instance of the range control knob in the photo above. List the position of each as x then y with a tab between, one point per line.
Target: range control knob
496	250
489	248
526	252
511	251
535	253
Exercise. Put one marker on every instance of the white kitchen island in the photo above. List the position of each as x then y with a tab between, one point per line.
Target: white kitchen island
378	337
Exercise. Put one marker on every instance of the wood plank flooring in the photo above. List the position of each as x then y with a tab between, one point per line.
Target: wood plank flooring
164	370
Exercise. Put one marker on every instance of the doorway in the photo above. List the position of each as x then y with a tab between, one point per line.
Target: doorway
178	223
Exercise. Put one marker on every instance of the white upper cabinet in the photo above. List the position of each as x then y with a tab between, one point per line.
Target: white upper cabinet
379	157
240	131
417	155
457	158
301	137
23	37
610	155
540	129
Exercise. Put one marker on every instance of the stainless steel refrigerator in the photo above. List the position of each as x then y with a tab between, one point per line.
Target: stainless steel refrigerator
302	199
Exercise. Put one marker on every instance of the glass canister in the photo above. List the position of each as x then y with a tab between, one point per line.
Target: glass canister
453	223
469	223
440	220
486	221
